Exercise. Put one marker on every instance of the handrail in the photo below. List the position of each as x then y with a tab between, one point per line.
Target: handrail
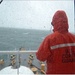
15	52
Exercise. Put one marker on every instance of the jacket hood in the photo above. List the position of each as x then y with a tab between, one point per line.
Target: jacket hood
60	21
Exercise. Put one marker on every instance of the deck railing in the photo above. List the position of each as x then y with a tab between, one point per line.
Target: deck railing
18	54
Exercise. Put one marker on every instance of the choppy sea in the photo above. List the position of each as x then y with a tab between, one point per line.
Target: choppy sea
13	38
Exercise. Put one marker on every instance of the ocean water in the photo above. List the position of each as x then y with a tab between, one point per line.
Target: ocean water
12	38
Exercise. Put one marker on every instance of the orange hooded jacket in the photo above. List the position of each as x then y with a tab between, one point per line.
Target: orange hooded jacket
58	48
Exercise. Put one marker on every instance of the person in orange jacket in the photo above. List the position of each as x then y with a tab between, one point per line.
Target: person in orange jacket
58	48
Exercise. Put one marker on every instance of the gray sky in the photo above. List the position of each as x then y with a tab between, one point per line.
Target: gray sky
34	14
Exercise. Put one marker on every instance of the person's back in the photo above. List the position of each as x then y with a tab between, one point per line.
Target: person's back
58	49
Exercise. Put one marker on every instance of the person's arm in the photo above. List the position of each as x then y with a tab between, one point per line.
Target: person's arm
44	50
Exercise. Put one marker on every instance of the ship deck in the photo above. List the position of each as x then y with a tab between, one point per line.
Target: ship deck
18	58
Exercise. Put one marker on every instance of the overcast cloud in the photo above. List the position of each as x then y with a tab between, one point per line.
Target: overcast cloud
34	14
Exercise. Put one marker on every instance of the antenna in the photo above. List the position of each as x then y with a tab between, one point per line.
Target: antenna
1	1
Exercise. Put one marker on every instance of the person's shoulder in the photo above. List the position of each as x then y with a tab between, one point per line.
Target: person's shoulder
72	34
